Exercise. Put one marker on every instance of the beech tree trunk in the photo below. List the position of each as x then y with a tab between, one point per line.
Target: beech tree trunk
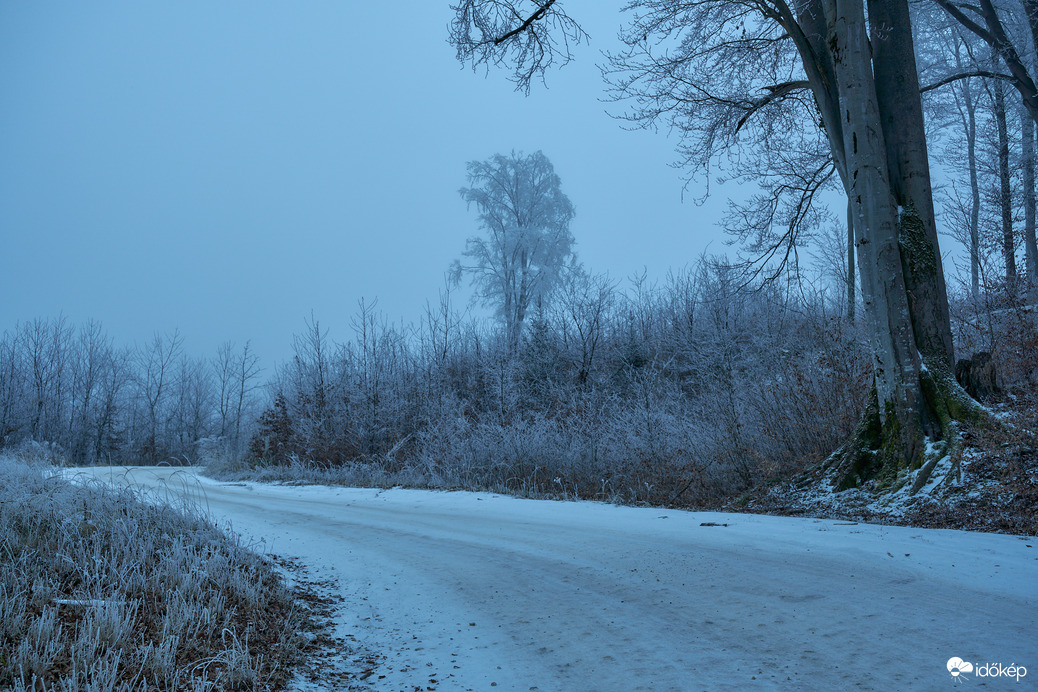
901	115
1005	196
851	299
1030	248
810	34
895	356
866	88
971	156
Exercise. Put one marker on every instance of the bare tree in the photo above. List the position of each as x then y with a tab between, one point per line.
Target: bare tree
237	373
108	424
224	367
585	300
830	251
966	104
13	389
156	373
47	346
1005	190
496	33
310	378
1027	145
1011	30
91	357
525	217
193	407
996	27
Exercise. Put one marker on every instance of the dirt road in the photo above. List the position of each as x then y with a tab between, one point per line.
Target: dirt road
476	591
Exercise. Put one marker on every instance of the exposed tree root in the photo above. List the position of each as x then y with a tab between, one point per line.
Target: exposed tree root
882	451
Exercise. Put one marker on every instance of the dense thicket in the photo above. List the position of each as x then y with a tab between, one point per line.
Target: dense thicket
689	388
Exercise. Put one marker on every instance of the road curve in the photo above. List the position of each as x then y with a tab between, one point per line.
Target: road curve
474	591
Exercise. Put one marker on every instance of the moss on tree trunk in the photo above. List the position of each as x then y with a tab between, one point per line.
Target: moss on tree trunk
883	449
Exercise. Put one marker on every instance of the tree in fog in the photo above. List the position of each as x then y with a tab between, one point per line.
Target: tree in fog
47	347
1012	35
155	378
237	375
525	219
310	379
91	357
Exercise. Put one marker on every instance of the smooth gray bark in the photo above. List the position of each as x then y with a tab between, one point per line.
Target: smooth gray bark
896	358
901	116
851	298
1027	146
1005	196
810	35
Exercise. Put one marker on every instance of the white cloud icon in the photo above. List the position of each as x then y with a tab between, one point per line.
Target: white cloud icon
956	666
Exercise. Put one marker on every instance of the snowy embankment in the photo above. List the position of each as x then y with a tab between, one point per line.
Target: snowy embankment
464	590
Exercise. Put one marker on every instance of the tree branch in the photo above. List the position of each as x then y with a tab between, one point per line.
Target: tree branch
778	92
994	34
961	18
541	11
965	75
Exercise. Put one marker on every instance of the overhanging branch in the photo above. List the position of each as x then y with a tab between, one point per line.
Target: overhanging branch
966	75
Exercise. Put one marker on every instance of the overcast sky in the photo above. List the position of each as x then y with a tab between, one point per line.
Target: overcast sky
227	168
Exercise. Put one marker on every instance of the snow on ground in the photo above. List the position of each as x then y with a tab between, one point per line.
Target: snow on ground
473	591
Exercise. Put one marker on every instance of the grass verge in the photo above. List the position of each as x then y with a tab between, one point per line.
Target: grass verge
101	591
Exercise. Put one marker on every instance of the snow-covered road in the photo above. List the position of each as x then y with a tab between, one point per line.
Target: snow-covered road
472	591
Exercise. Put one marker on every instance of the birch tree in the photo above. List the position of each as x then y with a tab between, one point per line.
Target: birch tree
525	218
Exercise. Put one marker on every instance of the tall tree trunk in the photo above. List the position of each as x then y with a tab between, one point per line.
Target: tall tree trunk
850	261
902	280
971	157
967	108
810	34
1030	248
1005	197
868	97
896	358
1030	244
901	115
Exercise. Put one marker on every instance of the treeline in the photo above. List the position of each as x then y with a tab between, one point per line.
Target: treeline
690	390
96	403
